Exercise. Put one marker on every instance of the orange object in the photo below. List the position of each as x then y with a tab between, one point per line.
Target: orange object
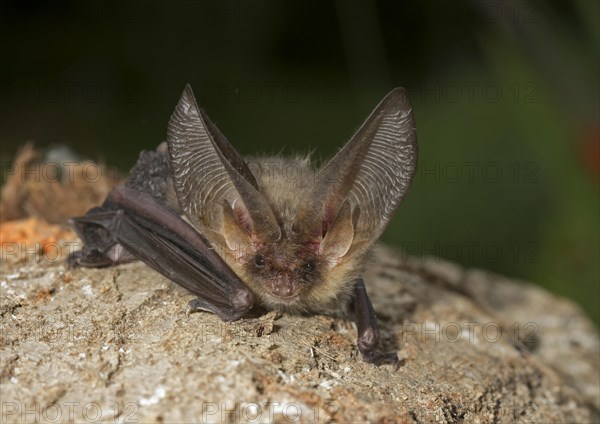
33	232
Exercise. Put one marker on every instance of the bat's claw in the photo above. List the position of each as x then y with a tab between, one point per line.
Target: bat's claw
189	309
73	259
194	305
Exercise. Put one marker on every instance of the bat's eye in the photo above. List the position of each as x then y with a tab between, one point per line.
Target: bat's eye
309	266
260	261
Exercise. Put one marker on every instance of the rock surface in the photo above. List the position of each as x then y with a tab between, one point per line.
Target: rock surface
115	344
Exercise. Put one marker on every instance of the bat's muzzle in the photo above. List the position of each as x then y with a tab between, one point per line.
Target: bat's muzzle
282	287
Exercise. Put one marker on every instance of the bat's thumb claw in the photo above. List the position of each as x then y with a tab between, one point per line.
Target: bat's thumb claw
192	307
195	305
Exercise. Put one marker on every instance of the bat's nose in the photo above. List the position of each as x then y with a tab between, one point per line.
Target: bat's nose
282	287
283	290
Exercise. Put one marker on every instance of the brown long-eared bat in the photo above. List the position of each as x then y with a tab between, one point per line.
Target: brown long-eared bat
260	231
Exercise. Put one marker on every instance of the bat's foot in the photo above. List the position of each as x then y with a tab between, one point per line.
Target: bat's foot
89	258
368	345
73	259
382	358
101	249
93	257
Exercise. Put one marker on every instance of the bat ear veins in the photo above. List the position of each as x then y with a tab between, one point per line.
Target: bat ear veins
340	234
206	169
375	168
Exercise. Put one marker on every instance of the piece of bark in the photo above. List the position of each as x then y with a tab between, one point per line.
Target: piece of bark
53	191
117	340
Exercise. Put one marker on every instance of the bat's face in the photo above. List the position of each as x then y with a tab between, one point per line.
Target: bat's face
284	269
297	243
300	270
283	274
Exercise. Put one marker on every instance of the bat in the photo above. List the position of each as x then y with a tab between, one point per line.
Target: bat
247	232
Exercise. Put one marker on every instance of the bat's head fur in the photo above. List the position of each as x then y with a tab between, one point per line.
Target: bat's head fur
295	234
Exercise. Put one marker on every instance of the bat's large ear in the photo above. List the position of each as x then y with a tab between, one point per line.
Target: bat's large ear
373	171
207	170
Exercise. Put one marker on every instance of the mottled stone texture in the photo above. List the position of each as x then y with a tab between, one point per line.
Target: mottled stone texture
115	344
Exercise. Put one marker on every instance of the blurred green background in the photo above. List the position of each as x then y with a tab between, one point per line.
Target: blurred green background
505	94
